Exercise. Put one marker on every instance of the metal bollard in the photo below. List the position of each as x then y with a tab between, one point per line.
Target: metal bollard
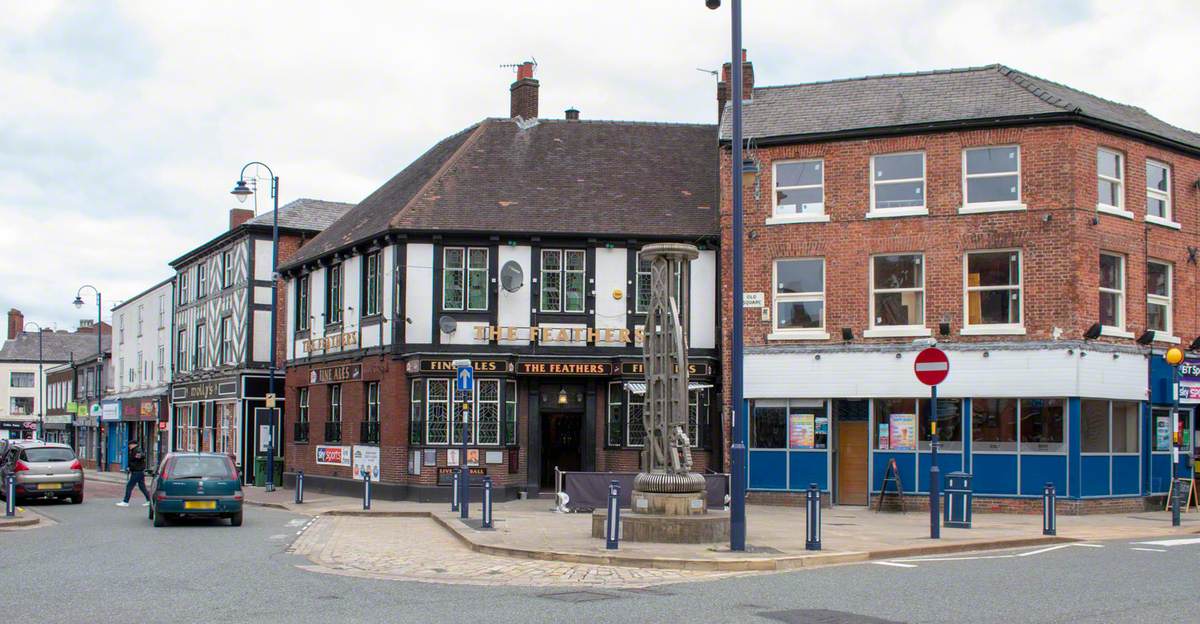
935	499
487	502
612	524
454	493
1049	516
366	490
300	487
1175	494
10	497
812	540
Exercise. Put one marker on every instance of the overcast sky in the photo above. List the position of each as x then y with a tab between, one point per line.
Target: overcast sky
123	125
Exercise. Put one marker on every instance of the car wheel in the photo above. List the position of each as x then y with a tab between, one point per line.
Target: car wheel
160	519
236	519
77	498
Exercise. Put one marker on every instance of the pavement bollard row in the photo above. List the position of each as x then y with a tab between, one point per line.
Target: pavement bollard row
10	497
300	487
612	523
487	502
812	540
454	492
366	490
1049	517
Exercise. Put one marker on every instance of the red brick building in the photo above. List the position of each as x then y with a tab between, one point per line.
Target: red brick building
1002	215
513	243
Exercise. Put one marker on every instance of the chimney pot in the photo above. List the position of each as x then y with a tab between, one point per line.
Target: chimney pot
572	114
524	93
238	216
16	323
723	90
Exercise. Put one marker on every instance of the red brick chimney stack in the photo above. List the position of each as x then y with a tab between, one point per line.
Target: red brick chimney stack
238	216
723	86
524	93
16	323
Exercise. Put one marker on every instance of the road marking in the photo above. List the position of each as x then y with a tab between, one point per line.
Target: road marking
1150	549
1172	542
1044	550
894	564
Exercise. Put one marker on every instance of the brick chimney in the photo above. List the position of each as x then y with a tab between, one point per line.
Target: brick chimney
572	114
16	323
524	93
238	216
723	86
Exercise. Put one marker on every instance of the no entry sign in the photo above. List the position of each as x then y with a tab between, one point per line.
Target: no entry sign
931	366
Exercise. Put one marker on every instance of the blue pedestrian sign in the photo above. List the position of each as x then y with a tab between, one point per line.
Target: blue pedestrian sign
465	376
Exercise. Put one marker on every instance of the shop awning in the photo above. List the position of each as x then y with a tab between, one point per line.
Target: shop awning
639	387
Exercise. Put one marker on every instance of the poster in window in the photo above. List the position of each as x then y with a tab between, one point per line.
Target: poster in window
452	457
430	458
884	442
822	433
801	431
1162	433
903	432
472	457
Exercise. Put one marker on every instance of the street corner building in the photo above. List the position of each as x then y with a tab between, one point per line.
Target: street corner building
142	325
222	331
513	243
1043	236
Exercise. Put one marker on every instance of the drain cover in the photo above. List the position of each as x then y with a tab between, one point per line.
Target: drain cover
578	596
822	616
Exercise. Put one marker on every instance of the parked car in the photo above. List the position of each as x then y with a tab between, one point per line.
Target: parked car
42	470
196	484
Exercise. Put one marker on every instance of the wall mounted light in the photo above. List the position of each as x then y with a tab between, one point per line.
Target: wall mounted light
1092	332
944	329
848	334
563	399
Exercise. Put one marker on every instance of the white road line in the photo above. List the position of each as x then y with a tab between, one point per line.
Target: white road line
961	558
894	564
1044	550
1150	549
1172	542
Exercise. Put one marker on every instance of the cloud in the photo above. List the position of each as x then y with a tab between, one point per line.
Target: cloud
124	125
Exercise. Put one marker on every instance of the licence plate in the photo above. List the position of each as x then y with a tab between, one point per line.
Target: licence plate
49	486
199	504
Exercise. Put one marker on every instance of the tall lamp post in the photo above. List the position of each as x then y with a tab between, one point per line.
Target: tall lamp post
41	384
241	191
99	361
737	494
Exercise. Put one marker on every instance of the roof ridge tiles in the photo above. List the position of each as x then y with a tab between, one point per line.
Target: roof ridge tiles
928	72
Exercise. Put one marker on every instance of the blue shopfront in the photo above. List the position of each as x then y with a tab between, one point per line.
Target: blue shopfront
1159	434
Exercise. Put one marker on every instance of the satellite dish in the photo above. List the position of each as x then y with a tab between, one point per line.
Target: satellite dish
512	278
447	324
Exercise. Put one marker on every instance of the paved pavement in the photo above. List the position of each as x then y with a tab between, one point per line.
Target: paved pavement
97	562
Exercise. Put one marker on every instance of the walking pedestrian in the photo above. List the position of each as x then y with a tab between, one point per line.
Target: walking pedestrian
137	475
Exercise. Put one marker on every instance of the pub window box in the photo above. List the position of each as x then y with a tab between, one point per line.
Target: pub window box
333	432
300	432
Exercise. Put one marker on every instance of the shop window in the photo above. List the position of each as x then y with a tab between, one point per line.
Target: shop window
992	176
949	427
1112	291
895	424
799	188
416	417
994	425
800	295
768	425
898	182
1158	296
693	425
898	291
994	288
1093	426
807	426
635	427
616	424
437	421
1162	429
487	411
1125	427
1041	425
510	412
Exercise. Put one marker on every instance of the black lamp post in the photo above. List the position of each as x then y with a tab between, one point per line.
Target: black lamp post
737	498
99	366
41	384
241	191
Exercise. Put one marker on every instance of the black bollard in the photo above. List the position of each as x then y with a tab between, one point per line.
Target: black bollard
366	489
487	502
454	493
10	497
1175	495
1049	518
813	500
300	487
612	525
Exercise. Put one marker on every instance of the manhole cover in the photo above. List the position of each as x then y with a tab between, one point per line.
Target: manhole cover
578	596
822	616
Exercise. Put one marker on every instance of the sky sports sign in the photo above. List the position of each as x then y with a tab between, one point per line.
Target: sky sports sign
333	455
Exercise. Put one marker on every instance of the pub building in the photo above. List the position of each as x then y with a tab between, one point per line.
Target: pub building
222	330
513	243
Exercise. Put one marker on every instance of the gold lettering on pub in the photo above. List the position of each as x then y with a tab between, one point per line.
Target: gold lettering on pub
588	335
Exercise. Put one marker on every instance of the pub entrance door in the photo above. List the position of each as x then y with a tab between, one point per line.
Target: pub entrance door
561	411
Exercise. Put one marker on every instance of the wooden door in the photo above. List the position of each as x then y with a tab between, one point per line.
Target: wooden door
853	455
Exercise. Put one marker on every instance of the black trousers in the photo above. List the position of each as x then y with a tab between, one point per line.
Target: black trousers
138	478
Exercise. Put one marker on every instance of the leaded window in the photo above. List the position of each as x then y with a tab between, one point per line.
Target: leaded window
487	411
437	422
563	280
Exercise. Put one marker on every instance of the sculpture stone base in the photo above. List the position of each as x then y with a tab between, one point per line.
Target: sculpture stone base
709	528
668	503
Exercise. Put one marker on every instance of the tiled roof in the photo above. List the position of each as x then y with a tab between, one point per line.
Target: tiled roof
971	94
305	214
56	346
604	178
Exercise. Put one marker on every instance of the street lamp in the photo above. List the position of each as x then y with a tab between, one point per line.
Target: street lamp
41	384
99	365
242	191
740	422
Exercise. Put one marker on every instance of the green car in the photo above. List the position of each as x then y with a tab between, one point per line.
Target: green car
198	485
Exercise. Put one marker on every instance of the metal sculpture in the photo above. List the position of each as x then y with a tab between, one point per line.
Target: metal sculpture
667	455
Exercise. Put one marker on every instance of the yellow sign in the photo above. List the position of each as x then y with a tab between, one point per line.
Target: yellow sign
559	334
346	339
270	400
1174	356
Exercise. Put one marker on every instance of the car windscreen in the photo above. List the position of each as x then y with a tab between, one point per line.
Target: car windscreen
48	454
201	468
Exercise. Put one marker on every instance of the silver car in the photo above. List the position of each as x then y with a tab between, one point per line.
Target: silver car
42	470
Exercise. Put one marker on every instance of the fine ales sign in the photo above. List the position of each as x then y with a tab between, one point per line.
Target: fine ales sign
540	334
335	374
639	368
332	341
480	366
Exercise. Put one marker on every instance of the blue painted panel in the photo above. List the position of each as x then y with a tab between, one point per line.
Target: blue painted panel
1160	473
1073	447
906	462
1094	475
1036	470
947	463
768	470
994	473
1125	474
808	467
